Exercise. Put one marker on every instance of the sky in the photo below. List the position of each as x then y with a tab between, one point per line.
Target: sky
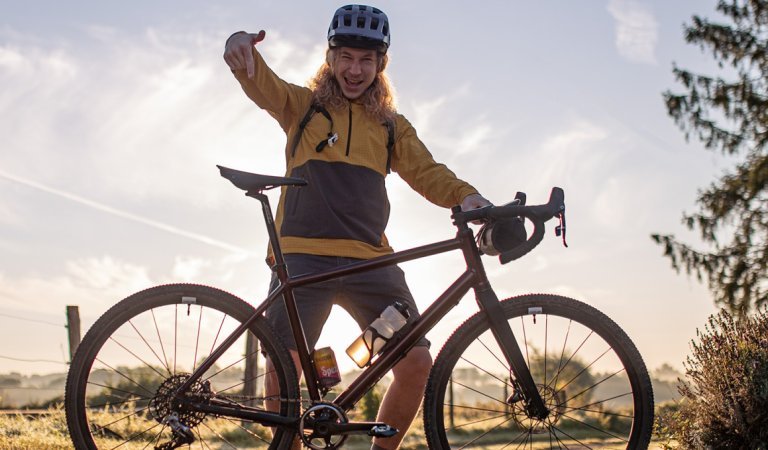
114	115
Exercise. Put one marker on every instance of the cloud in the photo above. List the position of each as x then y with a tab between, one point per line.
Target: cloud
124	214
92	283
636	30
444	125
97	283
139	118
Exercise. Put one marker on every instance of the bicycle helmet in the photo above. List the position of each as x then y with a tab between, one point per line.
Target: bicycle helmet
359	26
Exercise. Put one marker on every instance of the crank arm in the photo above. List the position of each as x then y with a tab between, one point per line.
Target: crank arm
376	429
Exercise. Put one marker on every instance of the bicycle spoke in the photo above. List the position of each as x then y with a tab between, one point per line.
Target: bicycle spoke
222	438
197	339
525	341
562	355
203	443
137	435
126	377
579	366
141	336
175	336
160	340
137	356
251	433
493	354
596	384
218	332
585	407
546	341
586	368
484	434
600	430
127	416
479	392
476	366
114	389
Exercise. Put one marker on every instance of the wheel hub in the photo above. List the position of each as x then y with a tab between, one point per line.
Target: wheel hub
555	402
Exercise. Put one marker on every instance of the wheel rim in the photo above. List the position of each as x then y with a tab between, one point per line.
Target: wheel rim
582	378
126	397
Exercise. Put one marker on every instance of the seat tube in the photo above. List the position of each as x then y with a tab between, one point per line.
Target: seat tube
300	339
289	300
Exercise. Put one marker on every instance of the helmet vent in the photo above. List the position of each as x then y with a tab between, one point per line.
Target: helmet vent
359	26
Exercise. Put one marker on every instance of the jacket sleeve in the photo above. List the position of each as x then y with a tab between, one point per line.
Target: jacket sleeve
415	164
282	100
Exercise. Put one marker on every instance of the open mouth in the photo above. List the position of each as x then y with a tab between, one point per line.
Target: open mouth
352	84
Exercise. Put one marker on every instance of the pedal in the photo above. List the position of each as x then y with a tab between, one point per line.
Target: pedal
382	431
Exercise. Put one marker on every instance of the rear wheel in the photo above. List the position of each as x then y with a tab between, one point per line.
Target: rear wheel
590	375
122	379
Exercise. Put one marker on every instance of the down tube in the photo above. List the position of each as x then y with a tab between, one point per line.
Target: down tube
431	316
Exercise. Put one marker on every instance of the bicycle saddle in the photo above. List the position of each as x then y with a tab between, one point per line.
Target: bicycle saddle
252	182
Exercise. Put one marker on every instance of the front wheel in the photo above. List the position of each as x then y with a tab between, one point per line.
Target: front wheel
590	375
121	384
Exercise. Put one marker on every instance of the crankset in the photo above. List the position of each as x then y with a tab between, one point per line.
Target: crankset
324	426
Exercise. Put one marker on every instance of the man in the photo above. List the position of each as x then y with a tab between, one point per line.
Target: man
343	136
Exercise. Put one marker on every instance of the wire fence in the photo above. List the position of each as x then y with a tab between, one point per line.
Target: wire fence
20	391
26	358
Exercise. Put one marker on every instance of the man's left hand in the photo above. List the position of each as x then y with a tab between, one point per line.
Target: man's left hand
474	201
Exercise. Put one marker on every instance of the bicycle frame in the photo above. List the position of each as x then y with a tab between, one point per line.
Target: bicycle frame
474	277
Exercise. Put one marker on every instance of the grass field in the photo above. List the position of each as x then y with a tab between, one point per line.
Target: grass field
49	432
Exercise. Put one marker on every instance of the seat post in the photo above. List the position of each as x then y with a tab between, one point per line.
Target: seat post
269	220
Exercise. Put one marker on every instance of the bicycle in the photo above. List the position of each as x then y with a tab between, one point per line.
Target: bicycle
160	369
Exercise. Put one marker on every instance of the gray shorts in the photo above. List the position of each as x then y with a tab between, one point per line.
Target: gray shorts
364	296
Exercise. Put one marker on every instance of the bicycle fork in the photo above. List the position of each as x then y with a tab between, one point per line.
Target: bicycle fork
489	303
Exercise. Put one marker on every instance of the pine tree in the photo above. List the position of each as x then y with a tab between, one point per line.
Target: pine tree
728	112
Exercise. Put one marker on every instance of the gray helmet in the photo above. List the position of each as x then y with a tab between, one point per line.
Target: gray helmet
359	26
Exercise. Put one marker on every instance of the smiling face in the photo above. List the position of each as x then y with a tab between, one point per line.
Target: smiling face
354	69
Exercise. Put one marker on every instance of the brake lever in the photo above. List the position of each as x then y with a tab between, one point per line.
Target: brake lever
560	229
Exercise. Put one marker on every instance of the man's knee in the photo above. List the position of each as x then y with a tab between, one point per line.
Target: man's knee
416	364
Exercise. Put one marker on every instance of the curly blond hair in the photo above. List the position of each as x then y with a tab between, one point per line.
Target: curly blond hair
378	99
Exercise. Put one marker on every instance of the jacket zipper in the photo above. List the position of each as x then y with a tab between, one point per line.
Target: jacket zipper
349	132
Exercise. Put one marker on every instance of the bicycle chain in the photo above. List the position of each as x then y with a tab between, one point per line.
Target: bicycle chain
244	398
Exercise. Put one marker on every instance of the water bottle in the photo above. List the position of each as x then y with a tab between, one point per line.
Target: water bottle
378	333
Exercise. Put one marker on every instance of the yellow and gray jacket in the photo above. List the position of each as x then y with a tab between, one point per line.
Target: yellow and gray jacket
344	209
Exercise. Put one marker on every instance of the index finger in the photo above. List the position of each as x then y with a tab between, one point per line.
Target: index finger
250	64
259	37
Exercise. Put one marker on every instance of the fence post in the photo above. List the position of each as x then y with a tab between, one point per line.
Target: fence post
451	422
73	327
251	367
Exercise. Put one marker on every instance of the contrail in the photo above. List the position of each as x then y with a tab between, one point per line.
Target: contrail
126	215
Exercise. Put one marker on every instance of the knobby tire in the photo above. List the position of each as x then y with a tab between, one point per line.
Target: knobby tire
139	350
589	373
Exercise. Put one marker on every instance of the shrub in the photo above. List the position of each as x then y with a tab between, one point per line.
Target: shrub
725	391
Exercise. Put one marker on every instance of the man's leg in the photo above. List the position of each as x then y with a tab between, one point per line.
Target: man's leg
272	387
403	397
